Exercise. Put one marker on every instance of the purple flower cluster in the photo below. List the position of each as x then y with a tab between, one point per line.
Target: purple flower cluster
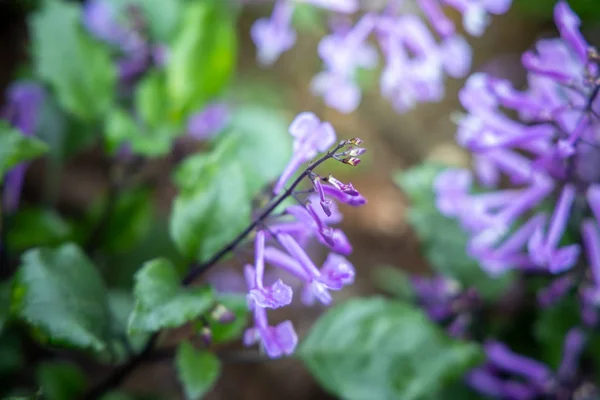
549	153
507	375
416	59
22	110
128	33
282	239
536	153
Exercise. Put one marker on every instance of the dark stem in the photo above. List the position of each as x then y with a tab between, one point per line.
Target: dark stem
199	269
147	354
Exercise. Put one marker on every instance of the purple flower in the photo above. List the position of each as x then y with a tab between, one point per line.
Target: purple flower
275	35
343	53
282	238
311	136
475	12
208	122
342	6
126	31
498	377
549	151
22	110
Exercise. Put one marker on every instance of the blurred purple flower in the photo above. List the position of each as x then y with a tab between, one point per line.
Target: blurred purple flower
508	375
550	149
273	36
22	110
209	121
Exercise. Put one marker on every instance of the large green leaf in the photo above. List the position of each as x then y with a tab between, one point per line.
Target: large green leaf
160	302
208	216
60	381
443	241
201	57
217	188
198	370
381	349
78	68
61	295
16	148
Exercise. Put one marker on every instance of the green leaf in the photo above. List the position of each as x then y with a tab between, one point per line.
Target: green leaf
214	212
216	189
394	281
198	370
16	148
122	129
121	305
201	57
61	295
129	222
443	241
587	10
61	380
160	302
78	68
380	349
552	325
34	227
238	305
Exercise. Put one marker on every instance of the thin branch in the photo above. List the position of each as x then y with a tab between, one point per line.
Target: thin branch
147	354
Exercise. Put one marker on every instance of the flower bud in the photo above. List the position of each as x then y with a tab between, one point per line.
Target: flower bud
222	314
351	161
206	335
355	141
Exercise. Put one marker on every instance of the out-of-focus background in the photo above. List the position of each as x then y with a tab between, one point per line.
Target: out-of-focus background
378	231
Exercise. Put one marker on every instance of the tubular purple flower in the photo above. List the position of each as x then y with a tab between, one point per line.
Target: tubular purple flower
274	296
502	357
354	201
544	251
568	24
24	102
310	137
591	242
554	292
575	341
276	340
274	36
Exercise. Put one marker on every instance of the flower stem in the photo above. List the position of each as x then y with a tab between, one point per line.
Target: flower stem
122	372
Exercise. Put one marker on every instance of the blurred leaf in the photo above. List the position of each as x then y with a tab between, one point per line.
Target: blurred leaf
162	16
130	220
79	69
5	288
443	241
160	302
309	19
122	129
65	137
198	370
380	349
552	325
117	396
121	305
214	212
150	100
238	305
16	148
11	353
60	293
61	381
201	57
587	10
35	227
394	281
